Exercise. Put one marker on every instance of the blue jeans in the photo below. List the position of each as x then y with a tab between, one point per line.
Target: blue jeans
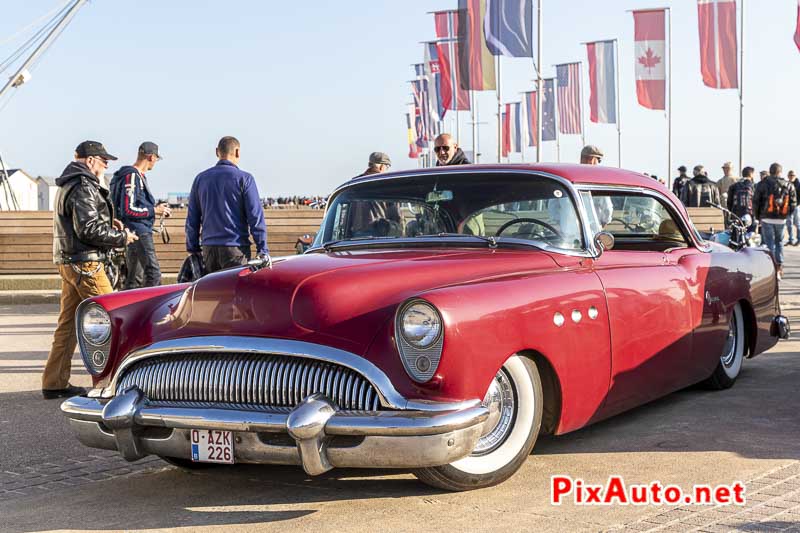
793	221
773	238
143	267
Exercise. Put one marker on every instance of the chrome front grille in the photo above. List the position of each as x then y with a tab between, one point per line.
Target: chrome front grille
268	381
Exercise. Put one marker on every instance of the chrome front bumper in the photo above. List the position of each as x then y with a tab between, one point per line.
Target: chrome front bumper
313	434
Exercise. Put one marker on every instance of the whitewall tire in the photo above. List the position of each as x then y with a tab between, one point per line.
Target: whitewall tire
730	362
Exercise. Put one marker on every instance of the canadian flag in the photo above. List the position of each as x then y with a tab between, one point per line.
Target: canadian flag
717	26
649	41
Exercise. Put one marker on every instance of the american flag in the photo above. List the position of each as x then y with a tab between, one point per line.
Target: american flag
568	97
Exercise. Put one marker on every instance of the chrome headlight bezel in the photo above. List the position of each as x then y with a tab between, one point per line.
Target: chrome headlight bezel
420	359
95	350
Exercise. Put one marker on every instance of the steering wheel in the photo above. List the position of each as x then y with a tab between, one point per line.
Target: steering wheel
629	227
545	225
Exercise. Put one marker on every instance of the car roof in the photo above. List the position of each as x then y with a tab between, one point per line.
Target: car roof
577	174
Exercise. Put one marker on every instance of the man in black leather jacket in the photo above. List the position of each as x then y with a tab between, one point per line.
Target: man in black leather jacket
83	230
700	191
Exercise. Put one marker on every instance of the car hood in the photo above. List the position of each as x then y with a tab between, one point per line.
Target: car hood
339	298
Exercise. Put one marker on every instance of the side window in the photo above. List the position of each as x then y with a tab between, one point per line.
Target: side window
638	222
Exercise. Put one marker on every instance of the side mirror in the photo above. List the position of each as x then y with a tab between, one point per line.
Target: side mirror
603	241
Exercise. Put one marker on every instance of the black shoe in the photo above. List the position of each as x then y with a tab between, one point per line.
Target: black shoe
70	391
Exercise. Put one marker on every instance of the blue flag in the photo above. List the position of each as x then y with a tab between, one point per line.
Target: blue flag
548	111
508	27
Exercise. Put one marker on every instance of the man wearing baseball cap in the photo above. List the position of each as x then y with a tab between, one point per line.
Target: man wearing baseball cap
83	230
137	209
378	162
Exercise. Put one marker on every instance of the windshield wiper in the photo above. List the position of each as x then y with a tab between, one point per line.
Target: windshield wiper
491	240
328	245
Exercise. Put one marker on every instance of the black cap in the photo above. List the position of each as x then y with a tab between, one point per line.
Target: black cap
149	148
681	168
93	148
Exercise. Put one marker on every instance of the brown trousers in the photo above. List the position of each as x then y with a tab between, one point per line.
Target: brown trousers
75	287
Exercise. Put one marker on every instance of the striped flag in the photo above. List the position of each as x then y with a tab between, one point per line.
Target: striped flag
602	86
413	149
441	92
650	49
717	28
504	120
508	27
419	89
548	111
797	31
476	62
530	111
513	134
569	98
444	31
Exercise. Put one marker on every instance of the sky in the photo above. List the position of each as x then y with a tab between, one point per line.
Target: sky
311	88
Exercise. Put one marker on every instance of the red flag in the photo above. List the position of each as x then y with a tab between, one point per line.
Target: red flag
797	31
649	52
717	25
530	107
444	31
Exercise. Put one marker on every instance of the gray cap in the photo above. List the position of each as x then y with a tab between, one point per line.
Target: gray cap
591	151
379	158
149	148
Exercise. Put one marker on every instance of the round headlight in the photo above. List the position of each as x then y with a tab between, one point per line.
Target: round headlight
96	325
421	325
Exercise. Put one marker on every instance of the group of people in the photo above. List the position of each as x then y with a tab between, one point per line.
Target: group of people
90	219
314	202
771	203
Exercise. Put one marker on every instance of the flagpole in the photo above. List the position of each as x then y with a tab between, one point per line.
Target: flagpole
556	120
453	70
539	81
618	105
474	111
669	92
499	113
580	104
741	87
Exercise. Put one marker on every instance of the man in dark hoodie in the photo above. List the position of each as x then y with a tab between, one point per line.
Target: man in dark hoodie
700	191
136	208
83	230
447	151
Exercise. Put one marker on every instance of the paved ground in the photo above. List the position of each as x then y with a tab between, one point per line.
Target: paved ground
749	433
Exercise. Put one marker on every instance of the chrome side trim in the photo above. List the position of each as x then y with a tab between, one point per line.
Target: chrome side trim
387	394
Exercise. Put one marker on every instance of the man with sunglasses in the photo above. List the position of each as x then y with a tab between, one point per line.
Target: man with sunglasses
83	231
447	151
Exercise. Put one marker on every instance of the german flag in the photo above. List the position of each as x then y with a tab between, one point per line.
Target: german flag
475	59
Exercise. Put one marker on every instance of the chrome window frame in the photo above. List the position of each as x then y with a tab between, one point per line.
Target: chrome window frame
588	249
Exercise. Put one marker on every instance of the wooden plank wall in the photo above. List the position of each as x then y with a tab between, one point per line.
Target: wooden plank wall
708	219
26	238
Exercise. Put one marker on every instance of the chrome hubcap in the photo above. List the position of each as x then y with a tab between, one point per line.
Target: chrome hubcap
501	402
729	352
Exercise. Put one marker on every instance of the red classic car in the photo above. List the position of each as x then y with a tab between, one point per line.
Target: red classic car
441	320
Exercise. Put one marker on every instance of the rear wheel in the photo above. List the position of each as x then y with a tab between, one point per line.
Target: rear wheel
730	362
514	400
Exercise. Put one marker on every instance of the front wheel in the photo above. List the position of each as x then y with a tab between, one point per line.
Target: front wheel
730	362
514	400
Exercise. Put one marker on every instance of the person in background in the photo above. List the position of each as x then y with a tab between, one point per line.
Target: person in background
794	216
604	208
378	162
680	182
225	205
740	196
83	230
591	155
725	182
447	151
774	200
700	191
763	175
137	209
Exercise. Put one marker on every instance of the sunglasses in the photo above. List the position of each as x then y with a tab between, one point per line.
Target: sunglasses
441	148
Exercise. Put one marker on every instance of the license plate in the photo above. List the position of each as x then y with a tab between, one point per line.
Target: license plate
212	446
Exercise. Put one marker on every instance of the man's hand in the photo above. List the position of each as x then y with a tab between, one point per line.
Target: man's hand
117	223
130	236
163	209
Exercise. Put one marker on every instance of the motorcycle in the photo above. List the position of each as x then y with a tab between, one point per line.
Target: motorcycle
116	268
738	234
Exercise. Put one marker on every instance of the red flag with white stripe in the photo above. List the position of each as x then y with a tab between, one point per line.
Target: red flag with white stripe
650	50
718	46
797	31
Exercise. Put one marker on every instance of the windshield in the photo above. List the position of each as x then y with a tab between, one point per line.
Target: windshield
504	206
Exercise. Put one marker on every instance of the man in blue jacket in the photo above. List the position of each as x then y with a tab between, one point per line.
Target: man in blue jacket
224	203
136	208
